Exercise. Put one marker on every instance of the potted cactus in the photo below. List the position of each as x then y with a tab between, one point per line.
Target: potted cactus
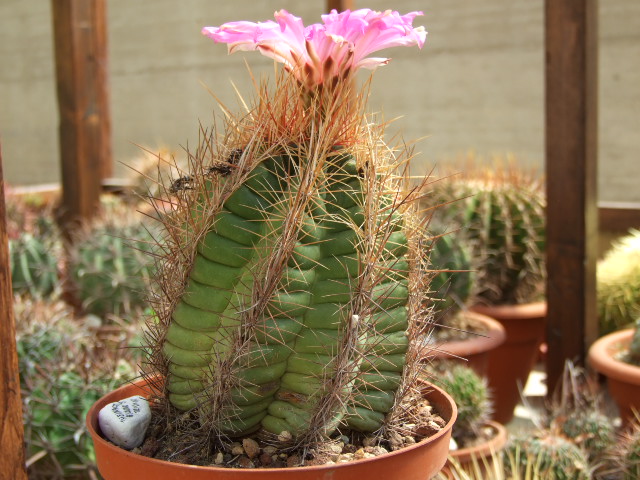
616	355
459	334
289	299
501	209
475	436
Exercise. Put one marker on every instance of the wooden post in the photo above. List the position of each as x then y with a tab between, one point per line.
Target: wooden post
340	5
85	129
571	154
12	464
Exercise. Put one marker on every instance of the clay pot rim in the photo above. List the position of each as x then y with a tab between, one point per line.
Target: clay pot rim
140	386
601	357
482	342
518	311
495	444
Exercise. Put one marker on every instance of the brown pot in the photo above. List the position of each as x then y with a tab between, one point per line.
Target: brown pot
511	363
479	458
420	461
474	350
623	379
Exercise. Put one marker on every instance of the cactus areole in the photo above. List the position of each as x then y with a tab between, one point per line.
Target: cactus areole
294	270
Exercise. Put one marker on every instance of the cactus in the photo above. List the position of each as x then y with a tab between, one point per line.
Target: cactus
629	453
34	264
590	430
454	284
618	284
61	377
501	210
549	456
111	264
471	395
294	268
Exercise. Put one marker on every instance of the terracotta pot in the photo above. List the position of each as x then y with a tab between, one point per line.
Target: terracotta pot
623	379
511	363
478	457
474	351
420	461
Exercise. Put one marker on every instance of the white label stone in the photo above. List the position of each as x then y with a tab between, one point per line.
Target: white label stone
125	422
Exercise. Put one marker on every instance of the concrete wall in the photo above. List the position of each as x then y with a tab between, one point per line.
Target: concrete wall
477	84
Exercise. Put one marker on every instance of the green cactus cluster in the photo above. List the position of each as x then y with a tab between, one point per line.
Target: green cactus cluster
591	430
501	209
471	395
549	456
629	454
111	263
60	378
618	284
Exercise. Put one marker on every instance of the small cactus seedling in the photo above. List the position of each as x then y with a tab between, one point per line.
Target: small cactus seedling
618	284
502	211
471	395
294	264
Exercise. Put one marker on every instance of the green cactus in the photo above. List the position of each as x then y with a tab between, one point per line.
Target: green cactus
618	284
502	211
34	264
590	430
629	453
471	395
549	456
111	264
58	389
453	285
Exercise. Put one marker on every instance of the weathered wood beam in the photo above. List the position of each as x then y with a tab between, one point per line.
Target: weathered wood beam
11	430
80	37
571	169
340	5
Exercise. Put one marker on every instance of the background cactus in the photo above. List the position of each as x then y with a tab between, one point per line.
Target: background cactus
471	395
111	262
501	209
453	285
62	372
618	284
34	264
550	456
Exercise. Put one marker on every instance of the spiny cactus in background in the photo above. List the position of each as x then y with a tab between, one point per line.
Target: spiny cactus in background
453	285
34	264
549	456
591	430
295	264
111	262
471	395
627	457
501	209
618	284
633	355
61	375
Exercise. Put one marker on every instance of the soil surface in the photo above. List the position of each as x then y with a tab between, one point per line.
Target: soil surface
255	451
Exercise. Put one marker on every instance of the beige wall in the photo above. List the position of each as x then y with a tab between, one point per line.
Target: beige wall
477	84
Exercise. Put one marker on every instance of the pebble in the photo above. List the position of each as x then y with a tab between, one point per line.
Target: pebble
125	423
245	462
219	459
251	447
236	449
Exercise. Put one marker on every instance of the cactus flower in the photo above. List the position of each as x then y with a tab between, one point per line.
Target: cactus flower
319	52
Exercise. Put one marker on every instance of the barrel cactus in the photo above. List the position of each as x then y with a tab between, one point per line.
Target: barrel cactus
295	267
502	210
34	264
618	284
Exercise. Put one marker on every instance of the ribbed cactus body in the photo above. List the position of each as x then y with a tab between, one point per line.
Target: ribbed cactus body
34	264
502	212
294	313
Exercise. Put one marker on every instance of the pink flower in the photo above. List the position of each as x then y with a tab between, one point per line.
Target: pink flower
339	46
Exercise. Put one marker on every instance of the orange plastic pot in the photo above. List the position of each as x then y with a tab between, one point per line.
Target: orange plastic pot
511	363
623	379
479	457
417	462
475	350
